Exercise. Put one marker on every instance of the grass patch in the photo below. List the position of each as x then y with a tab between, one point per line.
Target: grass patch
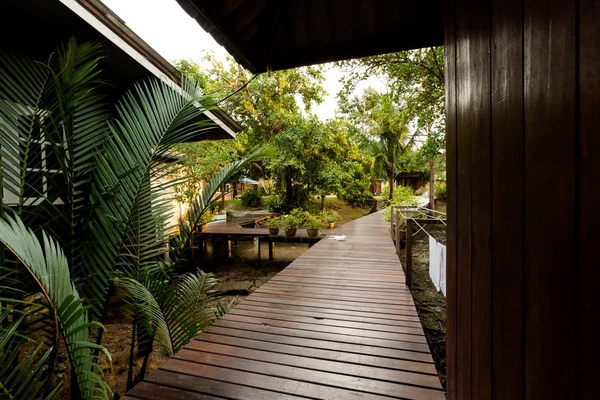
233	204
347	212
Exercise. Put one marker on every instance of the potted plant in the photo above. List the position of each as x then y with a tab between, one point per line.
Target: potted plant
329	217
208	216
291	223
273	223
313	225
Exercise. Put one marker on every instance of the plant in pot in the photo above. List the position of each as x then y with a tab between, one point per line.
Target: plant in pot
313	224
329	217
290	224
206	217
273	223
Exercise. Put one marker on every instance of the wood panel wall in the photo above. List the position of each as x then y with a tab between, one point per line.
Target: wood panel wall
523	148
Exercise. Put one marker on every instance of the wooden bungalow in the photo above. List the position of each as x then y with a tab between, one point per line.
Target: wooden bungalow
413	180
522	101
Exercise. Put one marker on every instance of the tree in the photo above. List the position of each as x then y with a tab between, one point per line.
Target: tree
275	109
385	134
415	78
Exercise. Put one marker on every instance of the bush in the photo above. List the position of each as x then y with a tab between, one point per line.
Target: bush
440	190
330	216
251	198
356	196
275	203
421	191
403	196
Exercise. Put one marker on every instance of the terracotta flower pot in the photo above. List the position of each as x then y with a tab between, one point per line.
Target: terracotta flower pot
331	225
273	231
290	232
312	232
203	227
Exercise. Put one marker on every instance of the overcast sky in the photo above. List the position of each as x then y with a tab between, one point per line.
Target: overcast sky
174	34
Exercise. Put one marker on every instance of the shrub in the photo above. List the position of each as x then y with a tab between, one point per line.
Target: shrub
356	196
271	222
440	190
275	203
313	222
330	216
420	191
251	198
403	196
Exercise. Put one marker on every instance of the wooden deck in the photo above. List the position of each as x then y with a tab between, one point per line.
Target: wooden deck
337	323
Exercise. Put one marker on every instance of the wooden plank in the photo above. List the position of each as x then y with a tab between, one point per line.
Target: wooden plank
589	193
352	348
550	169
383	307
507	198
332	337
466	96
328	316
330	305
321	321
335	380
260	381
343	332
272	289
277	307
479	129
214	387
320	354
265	355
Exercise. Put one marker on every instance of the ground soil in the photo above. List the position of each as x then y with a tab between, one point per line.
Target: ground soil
431	304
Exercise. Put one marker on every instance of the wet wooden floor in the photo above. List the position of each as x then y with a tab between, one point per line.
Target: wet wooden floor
337	323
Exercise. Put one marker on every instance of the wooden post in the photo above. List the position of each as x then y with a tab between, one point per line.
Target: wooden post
397	233
257	244
392	208
270	248
409	237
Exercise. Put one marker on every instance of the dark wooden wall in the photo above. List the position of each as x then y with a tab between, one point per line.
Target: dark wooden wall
523	131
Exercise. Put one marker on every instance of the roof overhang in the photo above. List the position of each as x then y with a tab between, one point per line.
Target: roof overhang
276	34
44	24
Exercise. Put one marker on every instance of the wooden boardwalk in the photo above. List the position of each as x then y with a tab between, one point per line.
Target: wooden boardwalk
337	323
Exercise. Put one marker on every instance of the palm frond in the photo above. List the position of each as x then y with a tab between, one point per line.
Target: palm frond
172	311
22	374
151	118
48	266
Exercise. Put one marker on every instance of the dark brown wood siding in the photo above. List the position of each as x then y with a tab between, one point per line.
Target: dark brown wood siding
523	121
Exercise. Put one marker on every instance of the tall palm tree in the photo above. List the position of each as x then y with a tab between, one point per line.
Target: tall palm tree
387	137
83	178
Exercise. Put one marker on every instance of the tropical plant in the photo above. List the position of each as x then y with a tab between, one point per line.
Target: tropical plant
251	198
48	267
88	180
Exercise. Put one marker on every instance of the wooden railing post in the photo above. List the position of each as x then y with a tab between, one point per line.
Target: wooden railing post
409	238
398	233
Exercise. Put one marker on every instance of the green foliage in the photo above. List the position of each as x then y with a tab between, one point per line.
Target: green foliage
403	196
440	190
330	216
275	203
48	267
415	78
271	222
251	198
111	180
294	219
312	221
172	309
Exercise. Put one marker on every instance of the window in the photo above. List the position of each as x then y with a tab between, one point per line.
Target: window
43	175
